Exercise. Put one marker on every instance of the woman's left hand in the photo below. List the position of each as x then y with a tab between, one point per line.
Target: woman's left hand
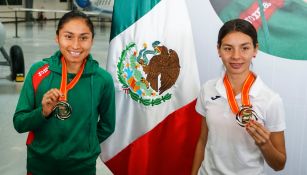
271	144
259	133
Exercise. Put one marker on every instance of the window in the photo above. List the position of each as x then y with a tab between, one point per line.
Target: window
11	2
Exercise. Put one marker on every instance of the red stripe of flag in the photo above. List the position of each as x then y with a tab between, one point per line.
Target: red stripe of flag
164	149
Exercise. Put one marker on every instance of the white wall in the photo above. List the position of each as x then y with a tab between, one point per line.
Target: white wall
287	77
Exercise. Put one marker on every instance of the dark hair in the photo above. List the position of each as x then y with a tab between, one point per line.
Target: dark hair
75	14
238	25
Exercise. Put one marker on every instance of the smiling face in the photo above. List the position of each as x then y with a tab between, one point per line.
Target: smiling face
236	51
75	40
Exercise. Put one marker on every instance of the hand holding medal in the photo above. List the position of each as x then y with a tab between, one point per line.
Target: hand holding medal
259	133
50	99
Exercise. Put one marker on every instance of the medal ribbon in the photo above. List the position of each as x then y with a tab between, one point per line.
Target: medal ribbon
244	93
64	86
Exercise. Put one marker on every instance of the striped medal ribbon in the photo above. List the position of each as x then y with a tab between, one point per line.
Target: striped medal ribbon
246	113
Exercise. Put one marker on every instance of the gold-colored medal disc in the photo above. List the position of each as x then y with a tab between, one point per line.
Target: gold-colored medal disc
245	115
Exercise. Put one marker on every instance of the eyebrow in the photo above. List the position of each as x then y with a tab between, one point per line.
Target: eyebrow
73	33
247	43
243	44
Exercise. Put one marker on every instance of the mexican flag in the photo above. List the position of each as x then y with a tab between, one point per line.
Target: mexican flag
152	60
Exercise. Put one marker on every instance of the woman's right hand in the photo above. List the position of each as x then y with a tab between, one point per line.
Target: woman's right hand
49	101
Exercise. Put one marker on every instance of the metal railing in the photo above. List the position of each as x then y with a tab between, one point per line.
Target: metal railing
17	18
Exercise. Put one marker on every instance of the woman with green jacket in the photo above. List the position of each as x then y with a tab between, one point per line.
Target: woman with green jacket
67	104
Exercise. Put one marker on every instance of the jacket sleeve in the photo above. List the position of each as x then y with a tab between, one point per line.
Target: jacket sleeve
106	123
27	117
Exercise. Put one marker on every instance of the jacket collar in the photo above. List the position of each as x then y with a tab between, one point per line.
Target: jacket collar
55	64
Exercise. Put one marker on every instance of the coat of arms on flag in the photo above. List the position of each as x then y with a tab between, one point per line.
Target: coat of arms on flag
147	73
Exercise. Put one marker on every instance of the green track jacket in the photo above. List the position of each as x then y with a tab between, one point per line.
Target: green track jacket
93	111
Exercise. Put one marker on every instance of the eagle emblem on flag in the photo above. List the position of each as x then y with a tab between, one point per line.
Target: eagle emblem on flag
146	75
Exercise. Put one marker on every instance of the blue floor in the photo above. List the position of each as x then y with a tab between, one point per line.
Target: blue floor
37	41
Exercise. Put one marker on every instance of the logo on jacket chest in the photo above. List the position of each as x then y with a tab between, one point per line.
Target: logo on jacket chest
215	97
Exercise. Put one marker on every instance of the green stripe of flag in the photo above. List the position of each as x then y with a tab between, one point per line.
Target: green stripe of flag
127	12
